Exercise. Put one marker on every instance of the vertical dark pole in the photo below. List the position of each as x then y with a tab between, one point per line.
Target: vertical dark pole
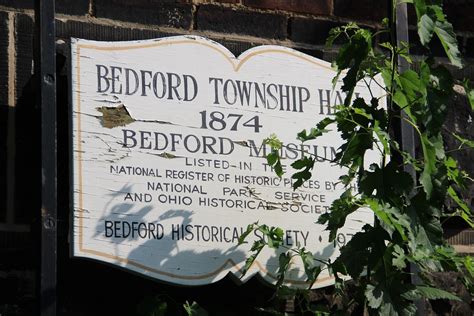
46	74
407	133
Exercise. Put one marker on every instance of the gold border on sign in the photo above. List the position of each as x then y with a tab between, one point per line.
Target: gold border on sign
236	66
216	47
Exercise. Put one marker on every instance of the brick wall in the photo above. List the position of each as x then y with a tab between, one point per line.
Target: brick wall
301	24
237	24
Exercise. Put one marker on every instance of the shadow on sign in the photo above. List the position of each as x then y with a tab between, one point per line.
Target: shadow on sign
159	245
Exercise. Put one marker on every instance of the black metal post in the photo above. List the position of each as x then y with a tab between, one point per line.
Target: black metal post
407	133
46	74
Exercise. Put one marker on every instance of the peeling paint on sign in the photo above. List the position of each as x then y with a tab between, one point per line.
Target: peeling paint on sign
114	116
169	163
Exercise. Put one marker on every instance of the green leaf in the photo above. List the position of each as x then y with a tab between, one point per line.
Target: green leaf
355	148
274	235
340	209
426	231
399	257
273	142
389	183
446	35
429	154
469	93
400	99
335	32
374	296
464	141
247	232
391	219
432	20
426	27
256	248
441	79
404	53
469	265
315	132
258	245
421	292
440	85
383	137
194	309
420	7
351	56
274	161
355	254
278	168
312	271
284	263
300	177
454	174
272	158
413	88
465	210
386	73
303	163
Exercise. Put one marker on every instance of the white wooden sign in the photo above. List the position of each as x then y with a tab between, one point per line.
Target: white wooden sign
169	165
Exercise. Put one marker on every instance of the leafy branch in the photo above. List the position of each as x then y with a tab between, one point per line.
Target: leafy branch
408	211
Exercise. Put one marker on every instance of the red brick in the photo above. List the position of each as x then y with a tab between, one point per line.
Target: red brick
361	10
411	15
461	14
317	7
226	1
22	4
157	12
26	122
229	20
318	53
71	7
470	48
25	27
69	28
311	31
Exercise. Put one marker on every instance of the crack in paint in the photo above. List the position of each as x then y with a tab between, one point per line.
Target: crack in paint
241	143
166	155
270	205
